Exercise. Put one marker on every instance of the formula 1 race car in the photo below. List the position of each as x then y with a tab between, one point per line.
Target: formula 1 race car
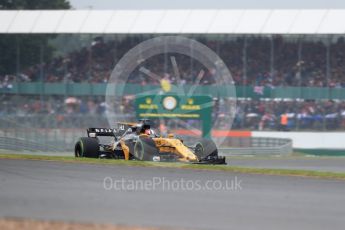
137	141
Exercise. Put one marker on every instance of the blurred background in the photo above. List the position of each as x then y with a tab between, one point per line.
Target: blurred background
52	85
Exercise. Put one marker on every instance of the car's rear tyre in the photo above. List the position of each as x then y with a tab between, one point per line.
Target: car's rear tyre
87	147
145	149
206	147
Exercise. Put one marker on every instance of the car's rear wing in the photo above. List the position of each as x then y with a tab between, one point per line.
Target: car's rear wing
122	127
93	132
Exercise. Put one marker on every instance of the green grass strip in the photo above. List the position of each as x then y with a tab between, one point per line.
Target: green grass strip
225	168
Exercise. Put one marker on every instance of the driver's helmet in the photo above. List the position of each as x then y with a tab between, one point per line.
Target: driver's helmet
150	132
144	127
147	131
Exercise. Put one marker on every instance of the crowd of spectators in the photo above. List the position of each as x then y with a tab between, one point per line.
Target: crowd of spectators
20	105
250	114
94	64
6	83
267	61
307	115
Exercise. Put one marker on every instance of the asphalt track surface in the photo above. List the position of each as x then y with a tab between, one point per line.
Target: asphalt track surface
75	192
325	164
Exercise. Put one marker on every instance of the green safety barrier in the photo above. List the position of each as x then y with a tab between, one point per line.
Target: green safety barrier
86	89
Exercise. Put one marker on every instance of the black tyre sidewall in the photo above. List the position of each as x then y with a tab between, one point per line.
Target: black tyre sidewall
147	149
208	146
77	150
88	146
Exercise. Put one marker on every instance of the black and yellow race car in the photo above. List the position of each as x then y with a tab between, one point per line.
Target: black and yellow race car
138	141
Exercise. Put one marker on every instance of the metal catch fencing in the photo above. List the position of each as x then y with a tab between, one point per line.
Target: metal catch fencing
55	134
258	146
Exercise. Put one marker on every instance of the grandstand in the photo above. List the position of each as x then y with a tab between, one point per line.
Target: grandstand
282	62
